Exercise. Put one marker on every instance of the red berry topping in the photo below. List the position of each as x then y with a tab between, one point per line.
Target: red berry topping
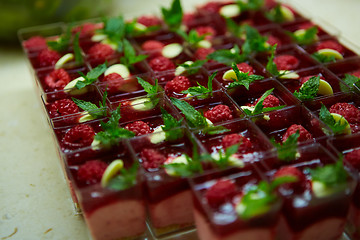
208	31
152	45
161	64
151	158
356	73
232	139
188	18
245	68
178	84
348	111
202	53
219	113
149	21
139	128
286	62
272	40
57	79
79	136
269	101
305	79
91	172
211	7
306	25
353	158
114	82
221	192
297	186
100	52
48	58
87	29
330	44
35	42
63	107
304	134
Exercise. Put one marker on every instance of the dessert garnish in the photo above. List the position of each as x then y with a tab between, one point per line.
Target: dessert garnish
309	89
254	42
280	14
335	121
287	150
91	109
125	179
350	80
91	171
201	92
61	44
139	128
297	186
89	78
130	57
170	127
177	85
259	106
271	65
194	39
189	67
227	56
252	5
219	113
173	16
230	11
304	134
304	36
223	190
112	169
225	158
151	91
240	78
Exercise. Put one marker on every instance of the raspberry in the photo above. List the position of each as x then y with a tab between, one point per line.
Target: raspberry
161	64
100	52
91	172
35	42
202	53
269	101
57	79
272	40
286	62
86	29
220	192
219	113
211	7
246	68
63	107
178	84
330	44
149	21
232	139
79	136
348	111
114	82
152	45
297	186
304	134
48	58
356	73
305	79
188	18
151	158
208	31
306	25
353	158
139	128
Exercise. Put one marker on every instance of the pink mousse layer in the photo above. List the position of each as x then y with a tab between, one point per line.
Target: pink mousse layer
174	210
206	233
122	219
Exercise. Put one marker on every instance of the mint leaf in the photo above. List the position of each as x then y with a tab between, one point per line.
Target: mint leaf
287	150
201	92
193	117
224	158
192	38
254	42
309	36
91	76
350	80
234	28
259	106
253	5
173	16
77	50
271	66
126	179
170	123
243	79
331	175
329	120
227	56
62	43
275	14
213	130
151	90
91	108
114	28
323	58
309	89
193	68
130	57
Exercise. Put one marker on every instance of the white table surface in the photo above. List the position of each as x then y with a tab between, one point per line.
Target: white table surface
34	200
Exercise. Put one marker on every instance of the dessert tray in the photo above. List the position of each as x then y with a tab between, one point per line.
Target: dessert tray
239	120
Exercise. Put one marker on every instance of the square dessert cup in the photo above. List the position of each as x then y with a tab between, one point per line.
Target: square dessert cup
215	98
168	197
311	211
281	124
220	220
351	110
336	85
165	38
252	143
198	22
343	146
275	35
115	212
304	60
349	66
344	51
245	98
257	69
63	111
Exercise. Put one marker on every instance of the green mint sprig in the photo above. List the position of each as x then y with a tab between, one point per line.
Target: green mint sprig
331	175
243	79
254	42
308	37
275	14
151	90
130	57
337	127
227	56
112	133
224	157
287	151
251	5
77	50
62	43
92	109
192	38
323	58
308	91
201	92
271	66
171	126
173	16
194	67
350	80
91	76
125	179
